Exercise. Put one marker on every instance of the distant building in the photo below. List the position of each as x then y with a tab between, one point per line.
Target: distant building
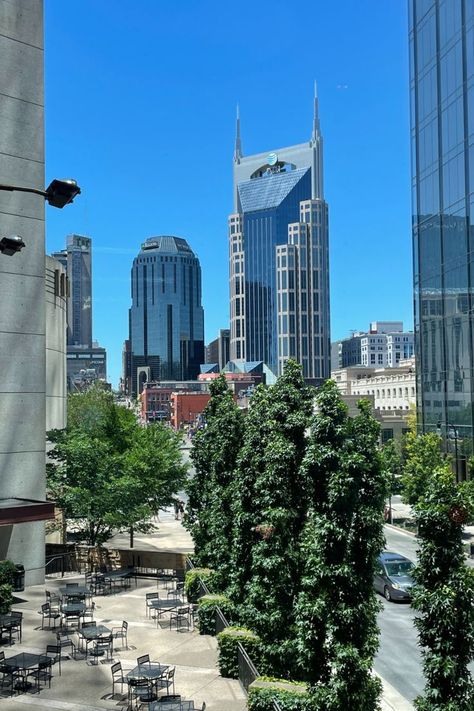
391	388
384	345
166	316
126	379
218	350
85	366
187	407
279	260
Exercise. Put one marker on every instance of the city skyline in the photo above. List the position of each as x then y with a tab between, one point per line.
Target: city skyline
175	137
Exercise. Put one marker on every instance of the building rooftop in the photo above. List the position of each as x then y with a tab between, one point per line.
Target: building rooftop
167	244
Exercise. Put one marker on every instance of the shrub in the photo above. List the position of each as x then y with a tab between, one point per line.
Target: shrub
6	598
7	572
290	695
191	583
227	641
207	612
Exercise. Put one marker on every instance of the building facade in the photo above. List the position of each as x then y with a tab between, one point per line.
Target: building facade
441	36
166	316
279	260
384	345
218	350
77	257
56	284
22	278
391	388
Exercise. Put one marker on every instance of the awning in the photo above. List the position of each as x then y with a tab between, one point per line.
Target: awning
14	510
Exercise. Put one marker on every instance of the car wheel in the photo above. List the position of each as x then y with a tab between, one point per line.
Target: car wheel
386	593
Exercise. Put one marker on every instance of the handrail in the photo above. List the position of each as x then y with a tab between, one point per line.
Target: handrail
60	557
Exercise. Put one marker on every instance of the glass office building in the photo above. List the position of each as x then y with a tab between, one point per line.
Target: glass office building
166	317
442	137
279	262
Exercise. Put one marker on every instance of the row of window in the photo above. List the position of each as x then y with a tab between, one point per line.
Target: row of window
389	392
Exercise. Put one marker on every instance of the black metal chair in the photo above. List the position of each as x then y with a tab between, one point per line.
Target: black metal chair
180	616
102	646
48	613
43	672
16	625
121	633
53	599
117	677
144	659
53	651
12	678
142	690
149	597
66	642
166	681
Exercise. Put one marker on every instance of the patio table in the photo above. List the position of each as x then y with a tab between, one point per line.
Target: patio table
147	671
22	662
94	632
165	605
79	591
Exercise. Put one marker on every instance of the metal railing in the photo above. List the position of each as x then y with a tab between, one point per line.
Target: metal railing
62	563
247	671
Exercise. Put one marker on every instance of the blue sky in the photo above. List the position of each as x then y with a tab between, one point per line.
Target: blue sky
140	109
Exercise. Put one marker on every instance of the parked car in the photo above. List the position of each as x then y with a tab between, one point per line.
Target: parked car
393	576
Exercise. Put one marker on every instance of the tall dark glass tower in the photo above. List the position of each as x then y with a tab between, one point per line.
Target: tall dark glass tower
166	317
279	261
442	136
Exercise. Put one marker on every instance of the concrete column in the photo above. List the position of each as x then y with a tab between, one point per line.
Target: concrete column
22	281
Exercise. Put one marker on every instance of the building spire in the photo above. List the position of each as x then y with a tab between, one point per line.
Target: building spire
238	142
316	127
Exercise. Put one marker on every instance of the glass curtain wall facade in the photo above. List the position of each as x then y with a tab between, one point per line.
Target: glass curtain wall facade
274	195
166	316
442	137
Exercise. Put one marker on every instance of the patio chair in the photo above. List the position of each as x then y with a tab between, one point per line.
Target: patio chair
102	646
43	672
121	633
149	597
142	690
182	617
53	651
117	677
10	677
66	642
53	599
48	613
166	680
144	659
89	611
16	625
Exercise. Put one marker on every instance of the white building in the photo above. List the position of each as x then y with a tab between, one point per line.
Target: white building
393	389
384	345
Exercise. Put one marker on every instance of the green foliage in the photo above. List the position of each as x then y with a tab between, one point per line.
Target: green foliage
210	491
392	464
6	598
279	512
227	642
291	696
192	579
207	612
336	611
444	595
7	572
109	473
422	456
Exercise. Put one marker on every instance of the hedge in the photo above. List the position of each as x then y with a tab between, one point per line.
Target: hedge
7	574
291	695
227	641
207	612
191	582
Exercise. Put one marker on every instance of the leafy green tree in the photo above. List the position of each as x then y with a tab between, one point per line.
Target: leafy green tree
422	456
210	491
279	504
250	466
392	464
337	608
107	472
444	594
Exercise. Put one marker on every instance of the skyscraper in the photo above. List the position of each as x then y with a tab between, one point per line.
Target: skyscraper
166	317
77	258
442	134
279	261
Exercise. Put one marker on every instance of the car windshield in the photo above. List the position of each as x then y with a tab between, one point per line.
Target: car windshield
399	567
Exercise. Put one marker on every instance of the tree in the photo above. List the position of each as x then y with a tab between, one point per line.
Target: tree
392	464
337	608
210	491
279	507
107	472
444	594
422	456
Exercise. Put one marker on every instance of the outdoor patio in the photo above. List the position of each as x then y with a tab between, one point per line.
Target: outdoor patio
86	683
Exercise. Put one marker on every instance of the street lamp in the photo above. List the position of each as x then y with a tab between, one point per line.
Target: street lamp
58	193
452	433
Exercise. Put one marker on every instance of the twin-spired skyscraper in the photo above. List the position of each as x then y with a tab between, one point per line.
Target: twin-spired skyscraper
279	261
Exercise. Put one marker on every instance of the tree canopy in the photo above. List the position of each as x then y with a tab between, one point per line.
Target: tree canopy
109	473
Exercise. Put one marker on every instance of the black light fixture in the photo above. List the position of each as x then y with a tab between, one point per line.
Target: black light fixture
58	193
11	244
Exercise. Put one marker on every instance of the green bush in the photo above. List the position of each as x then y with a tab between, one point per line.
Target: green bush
227	641
207	612
7	572
6	598
191	582
264	691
